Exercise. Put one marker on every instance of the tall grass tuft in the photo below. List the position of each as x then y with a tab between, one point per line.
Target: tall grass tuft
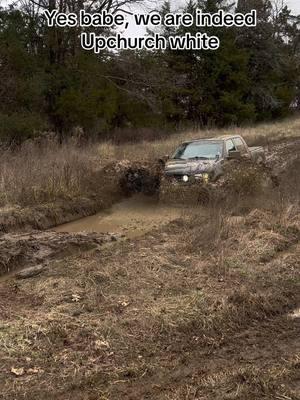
44	172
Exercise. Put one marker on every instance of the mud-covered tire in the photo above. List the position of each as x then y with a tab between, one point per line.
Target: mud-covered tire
129	184
139	180
150	185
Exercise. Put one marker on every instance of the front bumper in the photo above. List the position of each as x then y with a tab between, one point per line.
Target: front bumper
189	179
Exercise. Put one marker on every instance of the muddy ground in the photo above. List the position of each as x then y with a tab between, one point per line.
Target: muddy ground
206	306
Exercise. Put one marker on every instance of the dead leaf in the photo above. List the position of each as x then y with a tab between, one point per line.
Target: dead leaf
76	298
35	370
17	371
124	303
102	343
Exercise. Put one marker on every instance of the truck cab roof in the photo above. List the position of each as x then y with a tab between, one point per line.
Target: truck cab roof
214	139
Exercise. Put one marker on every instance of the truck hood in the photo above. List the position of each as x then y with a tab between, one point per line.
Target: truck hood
189	167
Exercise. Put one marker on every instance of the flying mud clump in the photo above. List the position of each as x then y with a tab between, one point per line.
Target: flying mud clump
141	177
242	178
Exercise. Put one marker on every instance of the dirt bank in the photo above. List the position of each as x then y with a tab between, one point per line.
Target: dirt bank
39	248
49	215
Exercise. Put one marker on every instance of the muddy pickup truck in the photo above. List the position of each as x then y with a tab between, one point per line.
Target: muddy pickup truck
205	159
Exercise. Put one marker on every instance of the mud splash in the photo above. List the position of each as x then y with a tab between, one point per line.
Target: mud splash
132	217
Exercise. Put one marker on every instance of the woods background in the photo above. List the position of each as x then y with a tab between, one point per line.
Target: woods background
48	83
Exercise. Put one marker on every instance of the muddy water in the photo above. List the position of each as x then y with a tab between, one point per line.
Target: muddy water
131	217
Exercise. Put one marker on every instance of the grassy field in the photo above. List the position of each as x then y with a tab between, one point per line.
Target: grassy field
204	308
261	134
44	171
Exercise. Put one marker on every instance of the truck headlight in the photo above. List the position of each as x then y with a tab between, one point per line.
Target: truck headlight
185	178
203	177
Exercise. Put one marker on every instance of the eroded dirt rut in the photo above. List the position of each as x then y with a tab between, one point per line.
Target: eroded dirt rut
128	219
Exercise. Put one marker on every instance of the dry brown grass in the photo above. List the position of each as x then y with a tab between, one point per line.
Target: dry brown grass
47	172
261	134
240	383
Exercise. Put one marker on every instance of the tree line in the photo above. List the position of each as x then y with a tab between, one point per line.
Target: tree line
48	82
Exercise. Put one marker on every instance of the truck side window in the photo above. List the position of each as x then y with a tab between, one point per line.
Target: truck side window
239	144
230	146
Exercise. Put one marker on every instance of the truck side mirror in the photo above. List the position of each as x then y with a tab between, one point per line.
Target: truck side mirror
234	155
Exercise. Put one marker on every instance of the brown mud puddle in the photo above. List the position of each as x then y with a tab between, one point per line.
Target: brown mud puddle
132	217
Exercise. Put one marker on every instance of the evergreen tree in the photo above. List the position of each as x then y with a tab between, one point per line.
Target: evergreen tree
48	81
272	71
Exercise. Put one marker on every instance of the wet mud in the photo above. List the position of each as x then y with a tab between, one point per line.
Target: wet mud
132	217
18	251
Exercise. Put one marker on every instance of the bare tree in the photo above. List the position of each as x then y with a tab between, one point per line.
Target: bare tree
35	6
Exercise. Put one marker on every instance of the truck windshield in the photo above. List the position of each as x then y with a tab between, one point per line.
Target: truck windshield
200	150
